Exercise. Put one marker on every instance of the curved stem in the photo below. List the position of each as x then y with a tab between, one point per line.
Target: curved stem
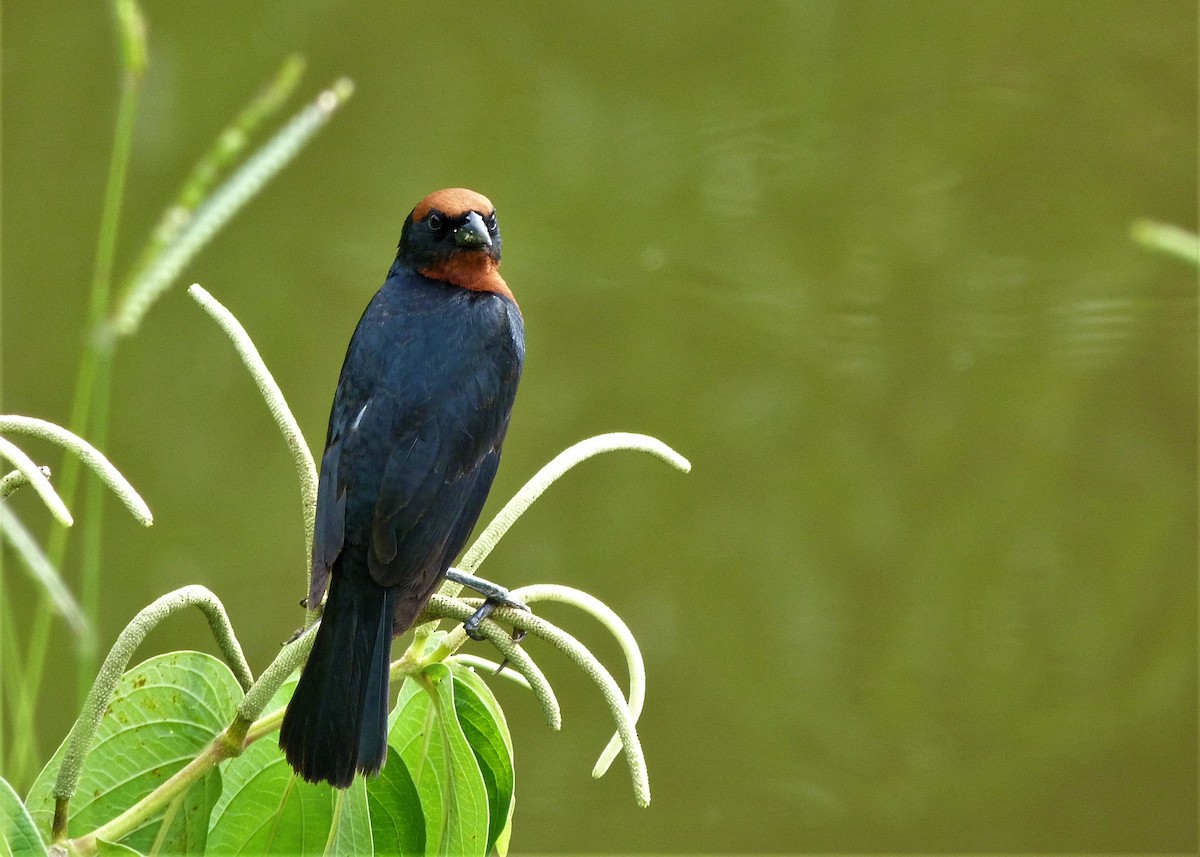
491	667
88	454
306	468
40	483
547	476
11	482
617	627
289	658
79	742
596	671
454	608
542	480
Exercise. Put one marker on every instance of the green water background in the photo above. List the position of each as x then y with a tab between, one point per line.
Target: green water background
932	581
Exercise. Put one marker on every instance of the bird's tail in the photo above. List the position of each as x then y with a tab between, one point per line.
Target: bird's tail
336	722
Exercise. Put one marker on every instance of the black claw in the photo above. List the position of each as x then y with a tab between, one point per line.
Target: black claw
471	626
295	636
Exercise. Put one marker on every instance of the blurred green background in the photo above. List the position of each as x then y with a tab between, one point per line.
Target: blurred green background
932	582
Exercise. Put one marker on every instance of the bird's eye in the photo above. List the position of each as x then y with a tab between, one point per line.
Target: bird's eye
491	221
435	222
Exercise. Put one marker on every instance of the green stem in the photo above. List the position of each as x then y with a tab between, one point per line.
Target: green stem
137	815
37	480
615	626
92	541
79	742
223	151
454	608
132	32
306	468
586	661
88	454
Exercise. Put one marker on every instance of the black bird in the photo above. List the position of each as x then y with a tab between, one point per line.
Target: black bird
418	420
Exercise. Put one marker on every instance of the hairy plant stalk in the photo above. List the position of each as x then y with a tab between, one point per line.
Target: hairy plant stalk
461	609
550	473
306	468
543	479
79	742
617	627
87	454
212	215
477	663
10	483
35	478
591	666
221	154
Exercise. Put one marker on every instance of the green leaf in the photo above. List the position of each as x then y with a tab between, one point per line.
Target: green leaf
352	822
18	836
264	808
486	731
187	826
163	713
104	848
431	742
397	822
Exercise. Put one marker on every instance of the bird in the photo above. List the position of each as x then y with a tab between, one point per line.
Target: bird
419	416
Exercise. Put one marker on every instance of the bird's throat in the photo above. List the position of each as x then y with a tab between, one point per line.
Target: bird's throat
477	272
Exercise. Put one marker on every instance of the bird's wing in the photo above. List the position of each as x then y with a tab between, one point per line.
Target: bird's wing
329	530
432	483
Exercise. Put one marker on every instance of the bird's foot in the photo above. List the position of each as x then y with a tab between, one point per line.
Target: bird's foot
296	635
496	595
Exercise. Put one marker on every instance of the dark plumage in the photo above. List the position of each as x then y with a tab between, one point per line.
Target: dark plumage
418	419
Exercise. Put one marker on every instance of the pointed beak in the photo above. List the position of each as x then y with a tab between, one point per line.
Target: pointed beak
473	233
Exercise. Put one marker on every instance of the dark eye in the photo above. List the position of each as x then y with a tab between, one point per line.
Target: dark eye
435	222
491	221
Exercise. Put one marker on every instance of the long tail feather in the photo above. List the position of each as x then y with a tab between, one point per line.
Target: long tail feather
336	723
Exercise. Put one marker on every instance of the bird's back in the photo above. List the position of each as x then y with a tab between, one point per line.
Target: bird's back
419	416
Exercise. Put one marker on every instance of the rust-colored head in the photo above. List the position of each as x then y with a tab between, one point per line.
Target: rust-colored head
452	236
453	202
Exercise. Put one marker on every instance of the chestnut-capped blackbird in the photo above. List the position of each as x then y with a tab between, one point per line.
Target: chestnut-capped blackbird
418	419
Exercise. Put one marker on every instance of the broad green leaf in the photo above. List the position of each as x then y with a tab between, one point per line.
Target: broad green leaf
352	820
18	836
431	741
397	822
505	837
104	848
187	824
489	742
264	808
163	713
469	676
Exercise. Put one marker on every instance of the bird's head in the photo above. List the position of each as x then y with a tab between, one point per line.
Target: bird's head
452	236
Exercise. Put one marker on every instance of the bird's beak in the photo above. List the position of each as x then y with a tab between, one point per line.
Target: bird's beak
473	233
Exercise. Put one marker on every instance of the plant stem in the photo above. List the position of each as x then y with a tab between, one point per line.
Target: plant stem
132	32
133	818
92	541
